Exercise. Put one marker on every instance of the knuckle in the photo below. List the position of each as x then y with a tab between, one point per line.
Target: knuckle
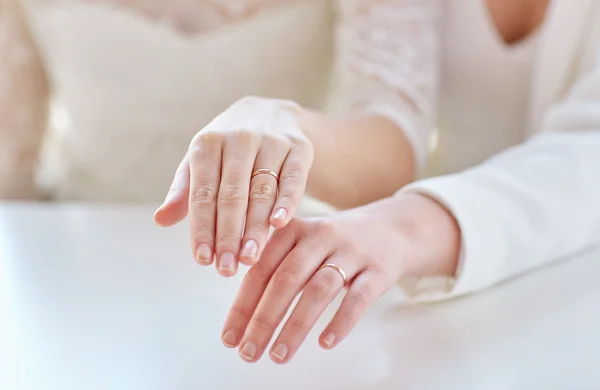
327	228
282	235
257	275
231	193
284	279
244	136
360	297
263	321
202	195
279	141
202	140
296	226
241	311
321	287
293	173
262	191
196	151
299	326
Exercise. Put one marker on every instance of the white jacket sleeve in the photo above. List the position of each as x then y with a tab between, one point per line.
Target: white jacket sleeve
528	206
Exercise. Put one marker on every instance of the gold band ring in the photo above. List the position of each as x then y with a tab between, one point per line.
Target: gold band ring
265	172
336	268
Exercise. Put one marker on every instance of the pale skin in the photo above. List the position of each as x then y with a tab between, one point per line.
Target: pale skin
375	244
376	240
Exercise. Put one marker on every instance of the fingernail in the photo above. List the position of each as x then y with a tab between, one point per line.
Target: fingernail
329	340
280	214
227	262
230	338
248	352
250	249
203	254
280	352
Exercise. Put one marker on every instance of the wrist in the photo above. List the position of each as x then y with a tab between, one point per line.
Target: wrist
431	233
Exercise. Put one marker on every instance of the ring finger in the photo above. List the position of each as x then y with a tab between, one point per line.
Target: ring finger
327	282
365	288
263	193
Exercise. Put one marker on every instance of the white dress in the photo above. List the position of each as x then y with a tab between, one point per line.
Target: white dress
130	92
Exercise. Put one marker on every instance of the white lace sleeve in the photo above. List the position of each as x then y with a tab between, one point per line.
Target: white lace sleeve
388	64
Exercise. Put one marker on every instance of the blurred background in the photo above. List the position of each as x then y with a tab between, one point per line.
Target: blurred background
129	82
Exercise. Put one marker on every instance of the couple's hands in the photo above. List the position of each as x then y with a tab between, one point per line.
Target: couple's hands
372	246
230	209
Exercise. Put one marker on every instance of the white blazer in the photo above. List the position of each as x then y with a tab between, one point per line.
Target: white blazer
539	202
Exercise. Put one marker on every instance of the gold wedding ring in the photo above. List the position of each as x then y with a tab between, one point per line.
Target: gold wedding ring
265	172
336	268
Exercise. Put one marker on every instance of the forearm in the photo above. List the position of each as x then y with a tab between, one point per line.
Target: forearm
24	96
357	160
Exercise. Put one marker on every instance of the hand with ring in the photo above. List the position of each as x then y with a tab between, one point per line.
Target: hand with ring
244	172
364	250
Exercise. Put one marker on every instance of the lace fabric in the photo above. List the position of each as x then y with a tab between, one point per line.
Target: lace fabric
388	63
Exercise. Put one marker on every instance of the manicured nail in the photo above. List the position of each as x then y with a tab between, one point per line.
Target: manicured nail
329	340
249	250
248	352
230	338
280	214
227	262
280	352
203	254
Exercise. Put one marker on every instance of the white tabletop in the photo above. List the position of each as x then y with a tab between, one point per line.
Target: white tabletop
99	298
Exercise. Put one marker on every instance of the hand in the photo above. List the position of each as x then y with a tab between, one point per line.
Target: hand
373	246
215	183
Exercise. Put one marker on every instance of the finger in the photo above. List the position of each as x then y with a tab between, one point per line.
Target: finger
320	291
292	183
365	288
175	207
239	155
254	283
287	282
205	172
263	192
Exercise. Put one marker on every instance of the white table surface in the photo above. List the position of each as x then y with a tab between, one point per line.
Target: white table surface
99	298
